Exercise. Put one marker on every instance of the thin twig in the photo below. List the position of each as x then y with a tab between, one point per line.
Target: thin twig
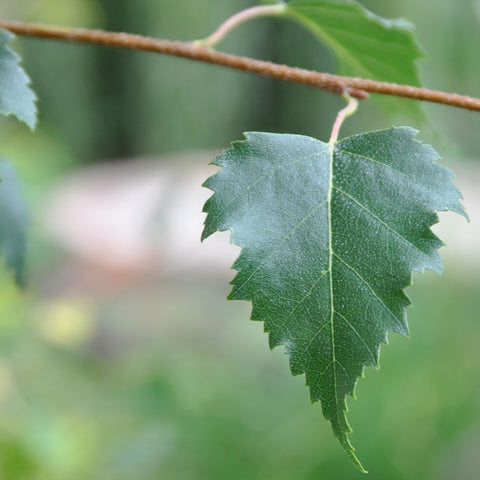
356	87
241	17
350	109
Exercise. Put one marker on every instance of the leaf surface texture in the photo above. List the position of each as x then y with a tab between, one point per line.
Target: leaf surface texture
330	235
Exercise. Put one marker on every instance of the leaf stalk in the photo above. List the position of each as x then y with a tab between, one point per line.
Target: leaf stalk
241	17
350	109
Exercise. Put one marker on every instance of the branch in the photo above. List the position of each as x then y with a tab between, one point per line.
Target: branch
356	87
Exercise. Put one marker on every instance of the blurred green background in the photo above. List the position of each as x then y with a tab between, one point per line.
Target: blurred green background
158	376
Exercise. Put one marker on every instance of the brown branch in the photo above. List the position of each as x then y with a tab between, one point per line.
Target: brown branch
334	83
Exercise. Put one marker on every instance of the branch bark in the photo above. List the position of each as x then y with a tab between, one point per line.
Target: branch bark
337	84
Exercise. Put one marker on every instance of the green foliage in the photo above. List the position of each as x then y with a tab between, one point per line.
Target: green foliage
13	221
330	235
16	97
365	45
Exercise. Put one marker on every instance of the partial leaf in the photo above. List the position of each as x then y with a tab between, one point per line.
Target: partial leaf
16	97
13	221
330	235
365	45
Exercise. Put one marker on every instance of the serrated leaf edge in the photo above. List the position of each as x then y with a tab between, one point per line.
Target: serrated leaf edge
343	436
31	123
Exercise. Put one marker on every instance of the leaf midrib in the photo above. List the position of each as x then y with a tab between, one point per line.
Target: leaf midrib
330	272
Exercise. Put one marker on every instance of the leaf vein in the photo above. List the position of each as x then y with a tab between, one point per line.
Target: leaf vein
266	175
389	166
282	241
369	287
378	219
299	303
358	335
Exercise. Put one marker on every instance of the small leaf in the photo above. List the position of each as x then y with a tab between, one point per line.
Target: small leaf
365	45
16	97
13	222
330	235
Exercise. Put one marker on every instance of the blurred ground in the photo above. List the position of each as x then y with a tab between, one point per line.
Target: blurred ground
129	364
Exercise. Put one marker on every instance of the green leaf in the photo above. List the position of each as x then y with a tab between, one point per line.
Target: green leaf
330	235
16	97
365	45
13	222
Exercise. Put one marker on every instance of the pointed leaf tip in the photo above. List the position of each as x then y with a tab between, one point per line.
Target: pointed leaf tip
330	235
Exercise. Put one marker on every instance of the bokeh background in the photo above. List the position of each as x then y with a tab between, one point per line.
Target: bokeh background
122	359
